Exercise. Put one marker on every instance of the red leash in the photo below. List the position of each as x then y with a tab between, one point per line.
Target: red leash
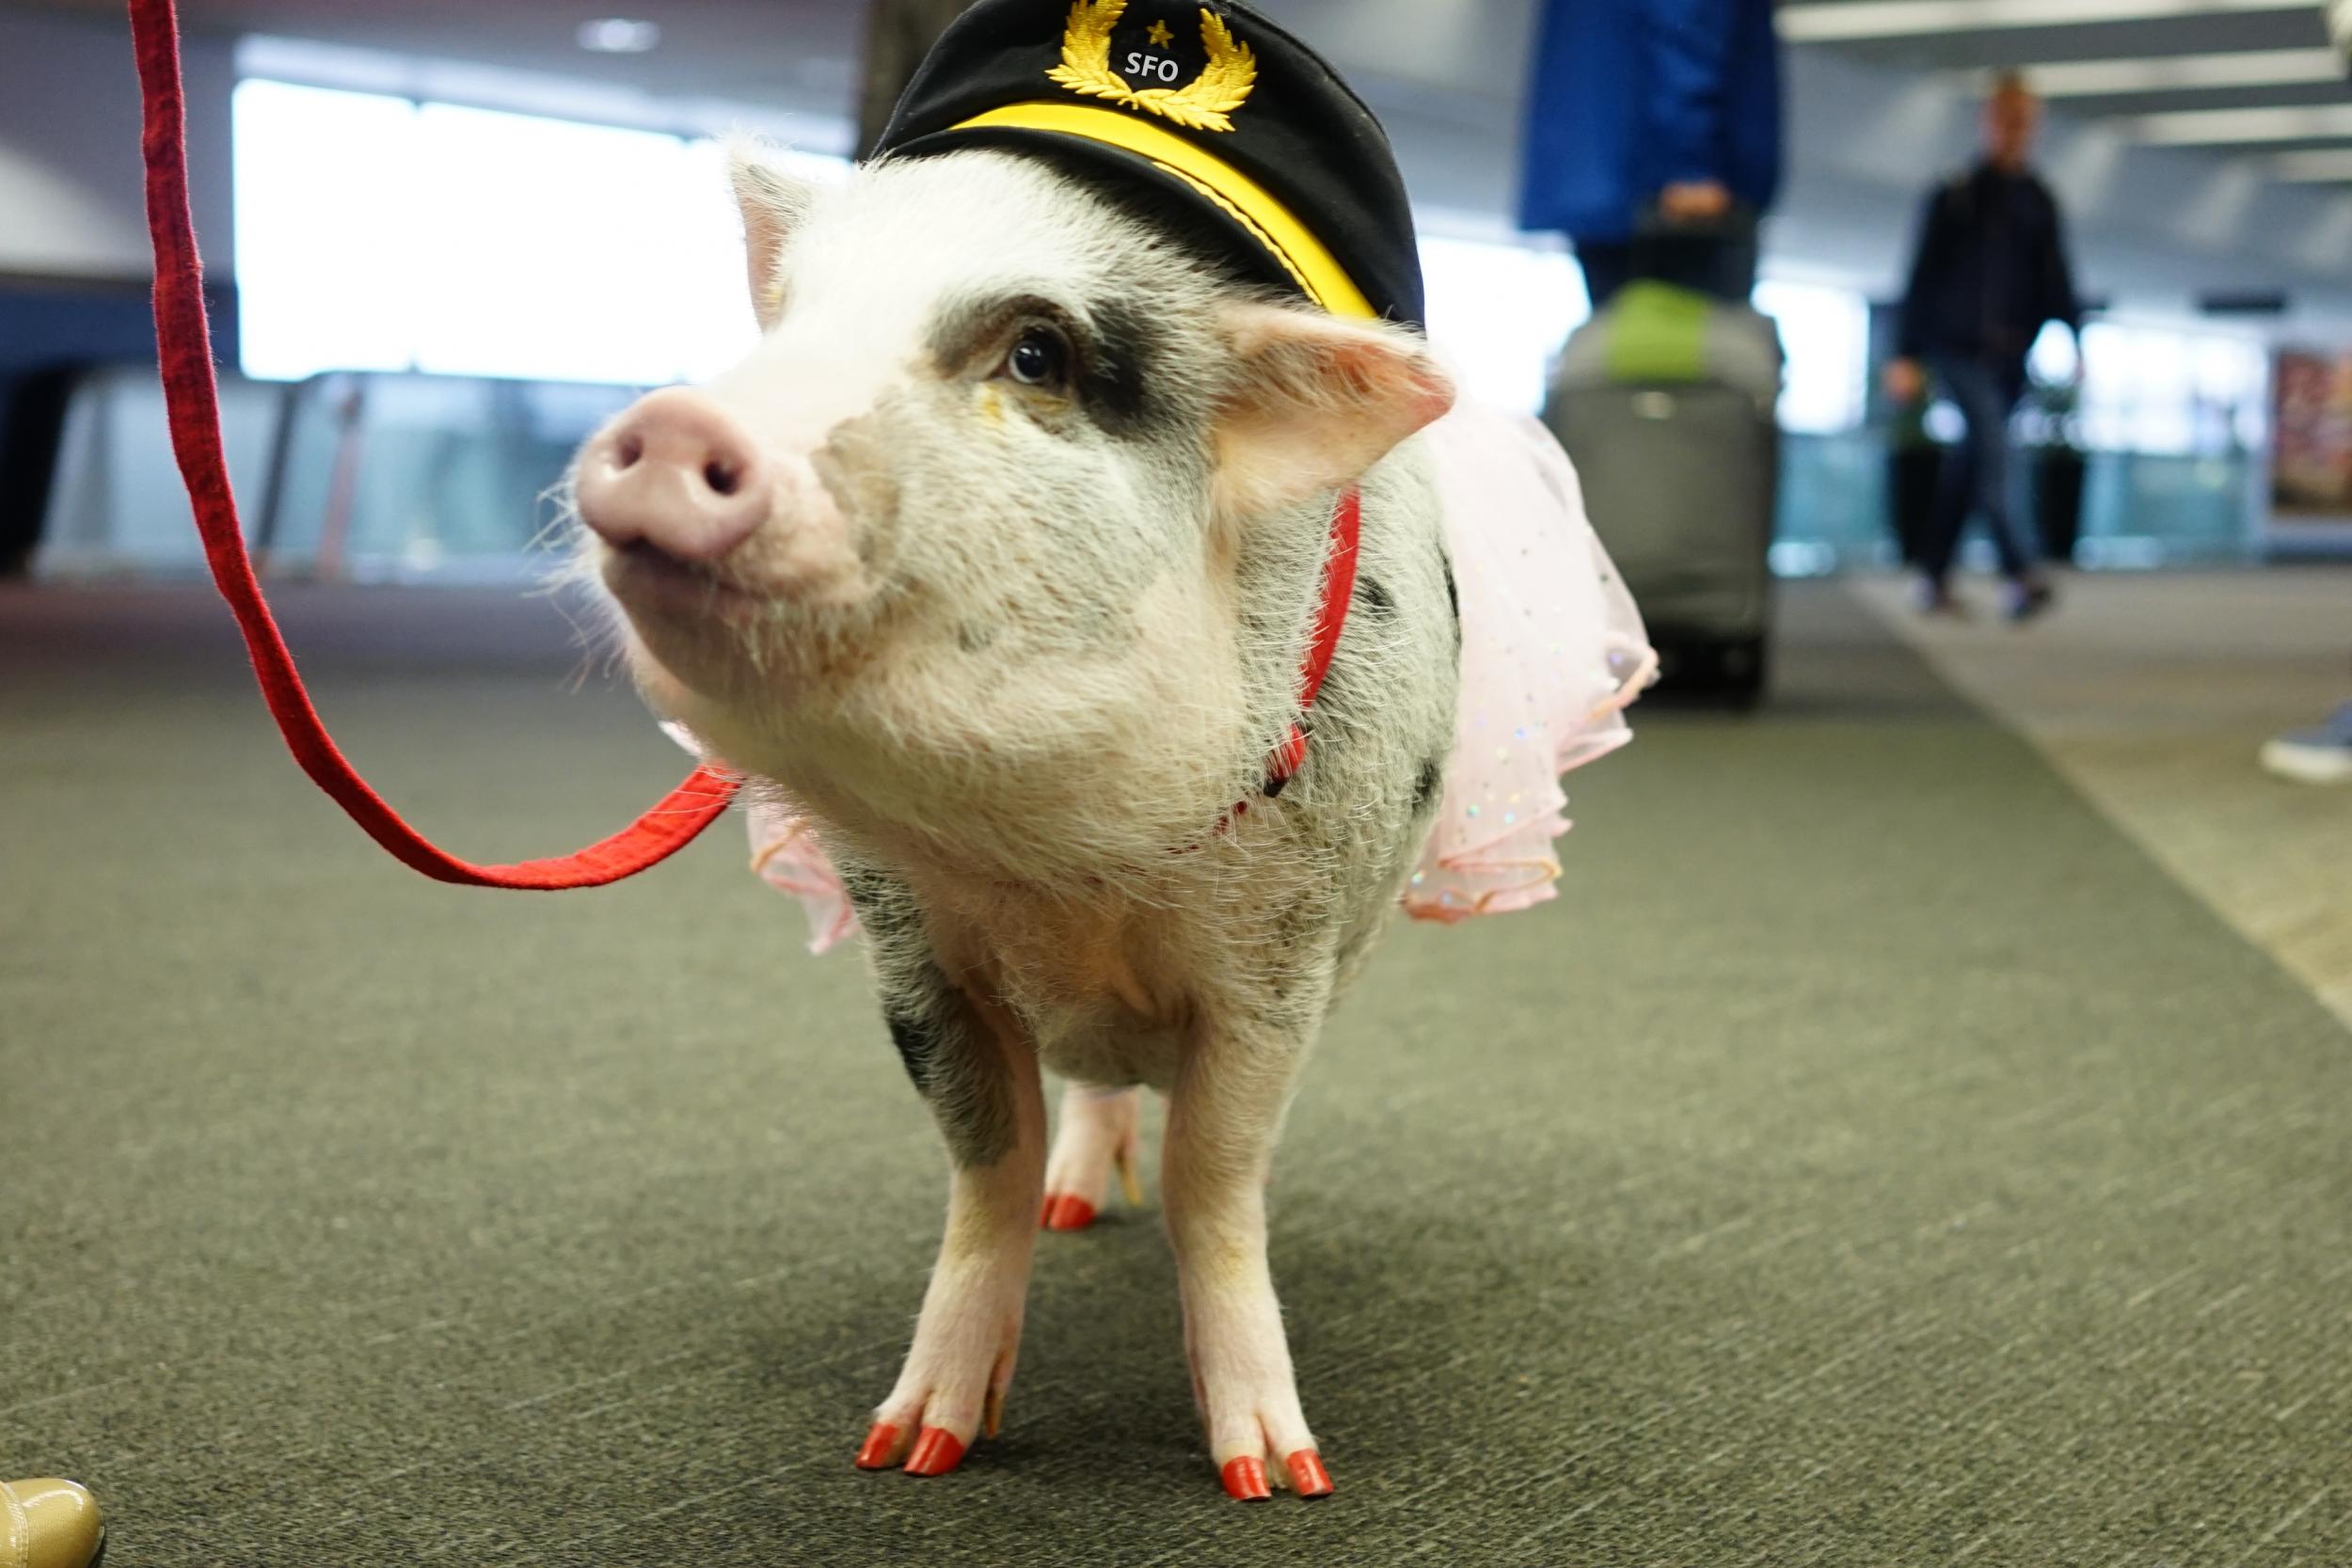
183	343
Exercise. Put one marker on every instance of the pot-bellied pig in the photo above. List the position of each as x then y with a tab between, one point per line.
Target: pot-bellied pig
1064	573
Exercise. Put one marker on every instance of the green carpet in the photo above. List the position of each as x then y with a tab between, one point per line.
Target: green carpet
1874	1160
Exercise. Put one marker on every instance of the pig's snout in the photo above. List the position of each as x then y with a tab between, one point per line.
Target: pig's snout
674	473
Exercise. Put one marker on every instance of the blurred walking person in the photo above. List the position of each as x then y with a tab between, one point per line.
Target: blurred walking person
1990	271
1653	138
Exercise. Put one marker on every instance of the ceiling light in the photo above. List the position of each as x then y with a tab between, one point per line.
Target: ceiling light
2212	127
2323	167
1818	21
618	35
2252	67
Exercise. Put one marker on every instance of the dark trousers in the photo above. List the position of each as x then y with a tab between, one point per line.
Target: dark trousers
1723	267
1975	472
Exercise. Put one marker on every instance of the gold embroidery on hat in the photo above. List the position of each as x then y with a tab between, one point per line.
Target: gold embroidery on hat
1204	104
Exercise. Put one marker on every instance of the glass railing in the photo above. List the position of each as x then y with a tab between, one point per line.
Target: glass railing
2141	508
388	476
379	477
366	477
1840	496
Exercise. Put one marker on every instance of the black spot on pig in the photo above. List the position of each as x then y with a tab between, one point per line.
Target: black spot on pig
1116	381
1372	599
945	1048
884	905
1113	346
1425	788
1452	597
918	1042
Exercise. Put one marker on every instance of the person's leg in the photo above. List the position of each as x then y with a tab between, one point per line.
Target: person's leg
1976	388
1987	395
2003	385
1608	267
2029	592
1955	491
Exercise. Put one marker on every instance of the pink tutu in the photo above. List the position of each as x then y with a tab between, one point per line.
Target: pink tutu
1552	651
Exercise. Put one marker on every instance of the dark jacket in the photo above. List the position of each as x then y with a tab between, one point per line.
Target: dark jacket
1989	271
1630	96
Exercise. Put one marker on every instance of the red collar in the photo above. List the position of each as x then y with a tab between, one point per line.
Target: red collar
1339	592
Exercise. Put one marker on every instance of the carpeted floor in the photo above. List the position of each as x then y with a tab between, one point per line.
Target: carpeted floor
1875	1160
2158	731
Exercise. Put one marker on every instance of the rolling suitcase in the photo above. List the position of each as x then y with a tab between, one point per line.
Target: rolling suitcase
1665	401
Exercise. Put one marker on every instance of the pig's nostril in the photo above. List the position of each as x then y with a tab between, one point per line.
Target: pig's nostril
631	448
721	476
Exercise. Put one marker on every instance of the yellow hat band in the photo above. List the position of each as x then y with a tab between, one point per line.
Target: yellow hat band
1257	209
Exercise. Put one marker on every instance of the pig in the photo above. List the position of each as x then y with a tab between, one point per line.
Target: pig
995	561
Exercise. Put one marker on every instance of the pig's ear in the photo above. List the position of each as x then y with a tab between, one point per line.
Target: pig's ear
772	204
1316	401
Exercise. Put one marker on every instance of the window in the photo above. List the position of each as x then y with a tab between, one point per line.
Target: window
375	233
324	276
2163	392
1497	314
1825	333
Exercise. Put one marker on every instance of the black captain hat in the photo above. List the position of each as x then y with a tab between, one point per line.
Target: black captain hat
1212	105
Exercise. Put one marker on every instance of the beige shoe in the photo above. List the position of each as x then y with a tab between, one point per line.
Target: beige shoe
49	1523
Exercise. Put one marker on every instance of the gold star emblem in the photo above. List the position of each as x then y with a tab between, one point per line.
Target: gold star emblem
1159	35
1204	104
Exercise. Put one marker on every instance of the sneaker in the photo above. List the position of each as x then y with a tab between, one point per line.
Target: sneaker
2031	599
2322	755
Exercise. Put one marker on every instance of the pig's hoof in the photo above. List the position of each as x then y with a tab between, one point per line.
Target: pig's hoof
943	1405
1259	1440
1067	1213
933	1451
1245	1480
1099	1135
936	1452
1245	1477
882	1448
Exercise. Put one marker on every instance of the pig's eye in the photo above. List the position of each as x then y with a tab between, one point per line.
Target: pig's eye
1039	357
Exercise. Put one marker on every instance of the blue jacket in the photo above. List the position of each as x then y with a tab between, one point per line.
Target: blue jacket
1630	96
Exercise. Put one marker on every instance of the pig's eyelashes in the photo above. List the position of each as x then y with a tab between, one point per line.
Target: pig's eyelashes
1040	356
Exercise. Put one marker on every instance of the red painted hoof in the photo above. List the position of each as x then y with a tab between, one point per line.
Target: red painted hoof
1068	1213
1245	1480
1308	1478
936	1452
875	1455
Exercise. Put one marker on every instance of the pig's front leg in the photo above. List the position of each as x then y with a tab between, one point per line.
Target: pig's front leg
977	1068
1223	1120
